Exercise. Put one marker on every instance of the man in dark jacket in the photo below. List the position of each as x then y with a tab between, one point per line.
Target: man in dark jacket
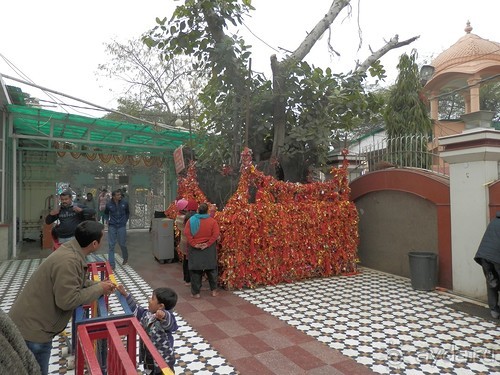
488	257
117	214
69	215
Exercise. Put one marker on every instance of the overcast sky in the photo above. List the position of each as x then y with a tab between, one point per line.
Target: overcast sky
59	44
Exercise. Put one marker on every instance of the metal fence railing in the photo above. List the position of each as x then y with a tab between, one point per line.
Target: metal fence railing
417	151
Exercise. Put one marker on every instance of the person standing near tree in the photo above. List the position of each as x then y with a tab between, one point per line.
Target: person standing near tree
202	232
186	208
58	286
117	214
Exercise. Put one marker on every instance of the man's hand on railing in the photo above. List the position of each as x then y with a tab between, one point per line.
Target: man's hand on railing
108	287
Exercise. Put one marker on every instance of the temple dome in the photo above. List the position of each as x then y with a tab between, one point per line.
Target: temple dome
463	68
469	54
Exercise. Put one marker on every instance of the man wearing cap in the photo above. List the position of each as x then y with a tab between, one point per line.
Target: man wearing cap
69	215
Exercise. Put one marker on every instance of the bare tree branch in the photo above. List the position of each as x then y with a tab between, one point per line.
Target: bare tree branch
391	44
318	30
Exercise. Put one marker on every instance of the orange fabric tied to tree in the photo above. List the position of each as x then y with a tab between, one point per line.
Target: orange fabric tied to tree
187	188
292	231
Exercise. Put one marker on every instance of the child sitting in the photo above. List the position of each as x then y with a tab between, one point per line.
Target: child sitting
159	323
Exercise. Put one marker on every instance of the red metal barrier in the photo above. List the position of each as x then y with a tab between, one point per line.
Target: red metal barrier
97	271
100	271
121	359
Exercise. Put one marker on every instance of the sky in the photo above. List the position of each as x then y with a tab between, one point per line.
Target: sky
58	44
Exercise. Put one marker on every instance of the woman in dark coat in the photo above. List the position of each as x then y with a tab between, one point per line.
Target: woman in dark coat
488	257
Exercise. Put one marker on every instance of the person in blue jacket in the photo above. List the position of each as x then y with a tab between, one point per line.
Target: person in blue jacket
117	214
488	257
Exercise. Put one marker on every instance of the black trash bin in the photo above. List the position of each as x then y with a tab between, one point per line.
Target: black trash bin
423	270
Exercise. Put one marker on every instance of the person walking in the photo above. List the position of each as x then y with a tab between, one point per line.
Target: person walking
69	215
488	257
58	286
117	214
202	232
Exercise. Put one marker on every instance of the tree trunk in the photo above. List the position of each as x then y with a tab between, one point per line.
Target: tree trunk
280	72
235	77
236	147
279	108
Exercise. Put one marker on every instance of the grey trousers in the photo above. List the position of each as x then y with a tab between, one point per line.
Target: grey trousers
491	272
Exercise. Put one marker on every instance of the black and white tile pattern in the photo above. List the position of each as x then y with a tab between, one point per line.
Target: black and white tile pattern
375	318
194	353
380	321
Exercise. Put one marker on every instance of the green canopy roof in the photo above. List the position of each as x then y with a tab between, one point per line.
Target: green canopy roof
44	129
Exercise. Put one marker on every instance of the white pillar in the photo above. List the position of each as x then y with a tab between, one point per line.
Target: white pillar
473	157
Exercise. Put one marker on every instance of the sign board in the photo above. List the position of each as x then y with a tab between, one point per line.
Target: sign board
178	160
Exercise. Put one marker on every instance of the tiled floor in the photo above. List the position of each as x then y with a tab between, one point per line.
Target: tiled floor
362	324
381	322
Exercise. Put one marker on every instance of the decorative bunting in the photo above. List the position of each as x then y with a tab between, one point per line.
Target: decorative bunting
105	158
119	159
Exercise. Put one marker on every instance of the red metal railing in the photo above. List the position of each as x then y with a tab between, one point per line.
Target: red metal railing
121	358
98	338
98	309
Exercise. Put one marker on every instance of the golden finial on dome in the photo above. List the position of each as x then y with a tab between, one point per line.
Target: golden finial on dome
468	28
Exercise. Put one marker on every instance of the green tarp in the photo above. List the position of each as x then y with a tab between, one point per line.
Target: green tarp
85	134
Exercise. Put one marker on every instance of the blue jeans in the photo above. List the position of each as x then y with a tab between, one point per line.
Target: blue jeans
114	234
42	354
